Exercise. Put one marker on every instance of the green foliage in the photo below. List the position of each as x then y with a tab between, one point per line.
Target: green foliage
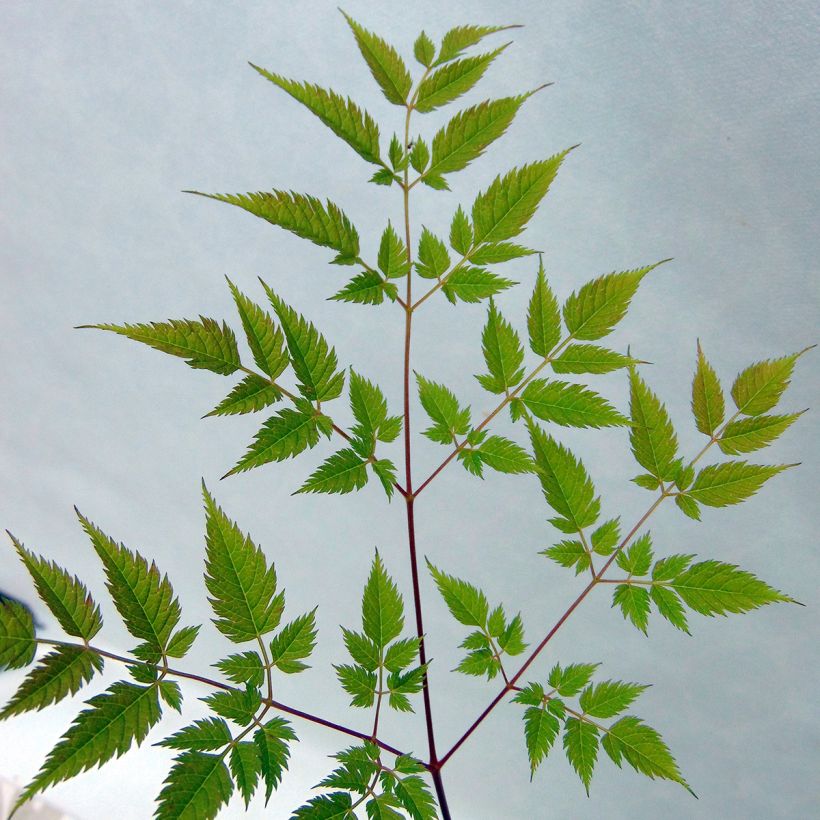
707	397
387	68
143	597
241	584
732	482
205	344
452	80
116	719
242	745
342	116
593	311
467	135
503	354
759	387
503	210
301	214
59	674
567	487
570	405
652	436
67	598
314	361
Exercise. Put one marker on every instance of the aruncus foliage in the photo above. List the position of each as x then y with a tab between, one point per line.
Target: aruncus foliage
295	377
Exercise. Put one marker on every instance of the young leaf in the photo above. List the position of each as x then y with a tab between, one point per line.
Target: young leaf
424	50
589	359
282	436
265	340
67	598
59	674
241	585
314	361
17	645
442	407
564	479
707	397
382	606
543	316
144	598
119	717
473	284
609	698
451	81
342	473
570	405
238	705
759	387
461	232
581	746
598	306
196	788
634	603
201	736
457	39
272	742
643	748
243	667
294	642
570	680
467	135
434	261
303	215
652	436
467	603
392	257
205	344
754	433
715	588
503	210
503	353
246	768
342	116
366	288
732	482
504	455
387	68
252	394
540	730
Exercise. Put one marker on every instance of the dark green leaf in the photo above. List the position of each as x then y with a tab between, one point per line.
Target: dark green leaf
244	667
64	594
246	768
196	788
414	795
238	705
272	742
17	645
201	736
59	674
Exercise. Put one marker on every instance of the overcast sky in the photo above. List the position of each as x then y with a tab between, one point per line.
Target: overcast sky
698	126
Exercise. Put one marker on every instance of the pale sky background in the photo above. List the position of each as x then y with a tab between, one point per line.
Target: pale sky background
698	126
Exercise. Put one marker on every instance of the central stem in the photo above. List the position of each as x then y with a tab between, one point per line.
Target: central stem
434	764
